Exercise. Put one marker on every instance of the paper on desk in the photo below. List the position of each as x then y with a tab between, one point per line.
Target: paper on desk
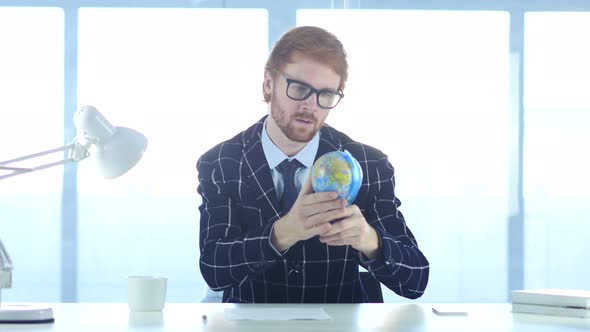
275	313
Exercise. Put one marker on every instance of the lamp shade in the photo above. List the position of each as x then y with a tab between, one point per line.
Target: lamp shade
115	156
115	150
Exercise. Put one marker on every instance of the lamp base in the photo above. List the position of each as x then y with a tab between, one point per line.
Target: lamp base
25	314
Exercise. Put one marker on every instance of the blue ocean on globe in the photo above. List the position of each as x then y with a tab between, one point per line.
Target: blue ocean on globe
337	171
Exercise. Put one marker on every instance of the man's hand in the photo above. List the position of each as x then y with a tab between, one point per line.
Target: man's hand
353	230
310	216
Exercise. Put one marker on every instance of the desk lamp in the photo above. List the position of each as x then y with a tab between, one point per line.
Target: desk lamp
115	150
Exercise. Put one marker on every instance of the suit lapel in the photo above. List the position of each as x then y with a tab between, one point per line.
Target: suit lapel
329	141
257	177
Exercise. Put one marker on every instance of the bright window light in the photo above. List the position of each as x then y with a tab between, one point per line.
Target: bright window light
187	79
430	89
31	120
557	137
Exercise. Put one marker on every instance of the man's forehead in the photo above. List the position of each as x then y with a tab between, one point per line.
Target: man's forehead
309	70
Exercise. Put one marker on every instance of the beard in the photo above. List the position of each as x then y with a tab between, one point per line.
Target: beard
287	123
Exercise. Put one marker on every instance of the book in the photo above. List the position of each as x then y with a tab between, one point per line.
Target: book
553	297
550	310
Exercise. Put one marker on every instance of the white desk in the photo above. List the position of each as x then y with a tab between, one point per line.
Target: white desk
111	317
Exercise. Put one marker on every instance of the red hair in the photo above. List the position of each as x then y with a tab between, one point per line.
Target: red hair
310	41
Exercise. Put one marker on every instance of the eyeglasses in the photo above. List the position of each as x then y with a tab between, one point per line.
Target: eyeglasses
326	98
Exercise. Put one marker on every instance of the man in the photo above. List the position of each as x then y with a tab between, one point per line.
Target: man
254	245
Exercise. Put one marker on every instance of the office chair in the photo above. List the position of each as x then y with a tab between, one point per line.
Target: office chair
372	287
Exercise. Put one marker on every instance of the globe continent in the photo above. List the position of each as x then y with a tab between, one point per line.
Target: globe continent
337	171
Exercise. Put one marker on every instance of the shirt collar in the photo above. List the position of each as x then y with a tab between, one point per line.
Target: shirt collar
275	156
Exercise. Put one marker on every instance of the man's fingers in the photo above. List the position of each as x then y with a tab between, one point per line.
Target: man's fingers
326	215
324	206
317	230
343	224
339	235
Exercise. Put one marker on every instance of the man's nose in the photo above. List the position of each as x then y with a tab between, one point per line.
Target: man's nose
311	101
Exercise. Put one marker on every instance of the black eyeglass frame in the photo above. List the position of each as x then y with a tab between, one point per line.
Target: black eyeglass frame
311	91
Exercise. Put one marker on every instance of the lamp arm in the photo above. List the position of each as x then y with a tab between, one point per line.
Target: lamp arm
76	152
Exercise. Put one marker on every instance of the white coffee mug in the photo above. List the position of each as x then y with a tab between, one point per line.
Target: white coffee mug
146	293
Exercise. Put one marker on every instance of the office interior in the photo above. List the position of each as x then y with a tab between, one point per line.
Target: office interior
483	108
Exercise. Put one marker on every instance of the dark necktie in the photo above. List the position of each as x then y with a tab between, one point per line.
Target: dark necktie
287	169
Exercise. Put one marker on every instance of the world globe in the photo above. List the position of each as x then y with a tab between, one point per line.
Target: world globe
337	171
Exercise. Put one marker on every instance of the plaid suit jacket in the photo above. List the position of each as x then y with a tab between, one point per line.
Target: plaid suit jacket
239	209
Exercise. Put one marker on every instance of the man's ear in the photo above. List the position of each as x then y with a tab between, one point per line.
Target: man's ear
268	83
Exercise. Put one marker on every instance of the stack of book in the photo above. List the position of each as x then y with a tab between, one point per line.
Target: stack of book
557	302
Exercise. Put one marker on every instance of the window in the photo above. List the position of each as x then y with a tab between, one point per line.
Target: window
31	113
187	79
430	84
557	136
433	88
